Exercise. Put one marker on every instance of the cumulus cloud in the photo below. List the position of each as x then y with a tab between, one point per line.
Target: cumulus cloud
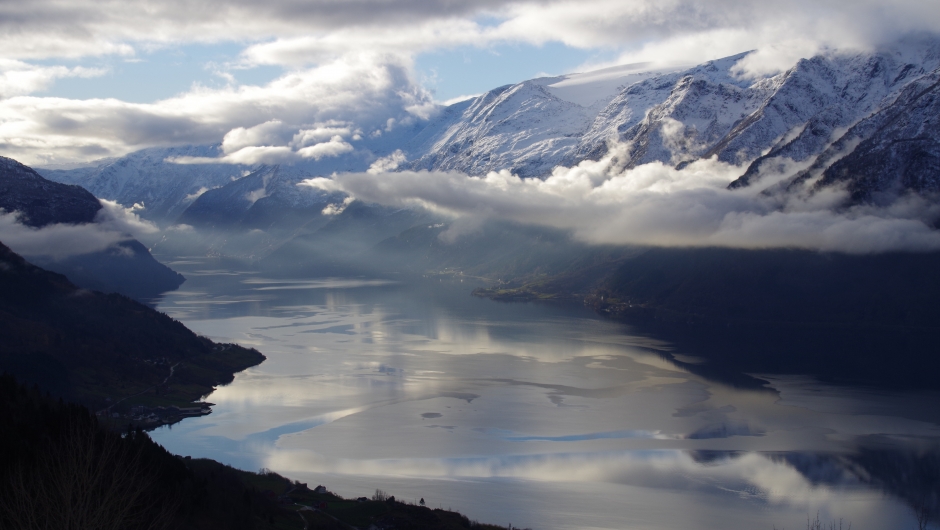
289	32
335	147
49	28
256	195
337	208
388	163
366	90
263	154
693	31
689	31
653	204
259	145
323	131
421	36
196	194
272	132
18	78
114	217
286	32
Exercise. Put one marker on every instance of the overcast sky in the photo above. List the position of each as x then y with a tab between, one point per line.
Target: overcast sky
84	79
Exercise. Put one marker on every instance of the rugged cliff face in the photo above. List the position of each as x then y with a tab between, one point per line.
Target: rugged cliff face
902	151
145	177
891	152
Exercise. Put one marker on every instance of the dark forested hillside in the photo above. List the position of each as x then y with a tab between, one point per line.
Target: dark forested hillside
101	348
843	318
126	267
40	201
59	468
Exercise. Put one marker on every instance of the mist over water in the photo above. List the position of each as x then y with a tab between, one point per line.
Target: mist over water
536	415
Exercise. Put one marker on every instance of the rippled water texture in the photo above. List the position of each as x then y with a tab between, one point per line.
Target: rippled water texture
538	416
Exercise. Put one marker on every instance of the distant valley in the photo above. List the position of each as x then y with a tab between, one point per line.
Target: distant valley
860	127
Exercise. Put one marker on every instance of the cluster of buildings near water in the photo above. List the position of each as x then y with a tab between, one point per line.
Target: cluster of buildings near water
152	417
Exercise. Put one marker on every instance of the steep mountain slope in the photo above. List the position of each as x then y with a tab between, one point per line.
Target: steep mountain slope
902	153
40	201
669	115
713	110
677	116
674	116
874	82
523	127
126	266
251	216
94	346
144	177
261	199
891	152
166	189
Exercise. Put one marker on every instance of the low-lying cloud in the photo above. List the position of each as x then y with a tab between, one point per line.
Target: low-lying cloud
275	141
56	241
600	202
114	217
113	224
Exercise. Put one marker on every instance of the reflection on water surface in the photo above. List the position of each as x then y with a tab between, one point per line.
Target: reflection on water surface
539	416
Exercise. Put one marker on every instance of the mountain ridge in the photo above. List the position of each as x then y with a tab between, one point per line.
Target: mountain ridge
125	266
669	115
97	347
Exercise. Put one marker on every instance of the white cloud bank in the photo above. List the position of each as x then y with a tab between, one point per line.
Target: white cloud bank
18	78
654	204
113	224
366	90
291	32
275	141
56	241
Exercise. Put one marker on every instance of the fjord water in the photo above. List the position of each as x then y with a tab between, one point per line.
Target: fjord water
537	415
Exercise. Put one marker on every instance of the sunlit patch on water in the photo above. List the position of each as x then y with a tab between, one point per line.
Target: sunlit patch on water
264	284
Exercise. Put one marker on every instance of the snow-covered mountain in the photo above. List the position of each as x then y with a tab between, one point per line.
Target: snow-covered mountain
676	116
810	116
525	127
166	189
894	150
261	199
145	177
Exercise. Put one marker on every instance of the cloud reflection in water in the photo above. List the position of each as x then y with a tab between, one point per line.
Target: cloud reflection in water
526	394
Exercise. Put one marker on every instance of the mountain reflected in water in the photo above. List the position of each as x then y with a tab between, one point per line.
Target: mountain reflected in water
553	417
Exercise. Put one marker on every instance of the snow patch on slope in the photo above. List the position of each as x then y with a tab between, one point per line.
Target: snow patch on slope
600	86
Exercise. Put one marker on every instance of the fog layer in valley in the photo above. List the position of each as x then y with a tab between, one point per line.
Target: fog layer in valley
654	204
